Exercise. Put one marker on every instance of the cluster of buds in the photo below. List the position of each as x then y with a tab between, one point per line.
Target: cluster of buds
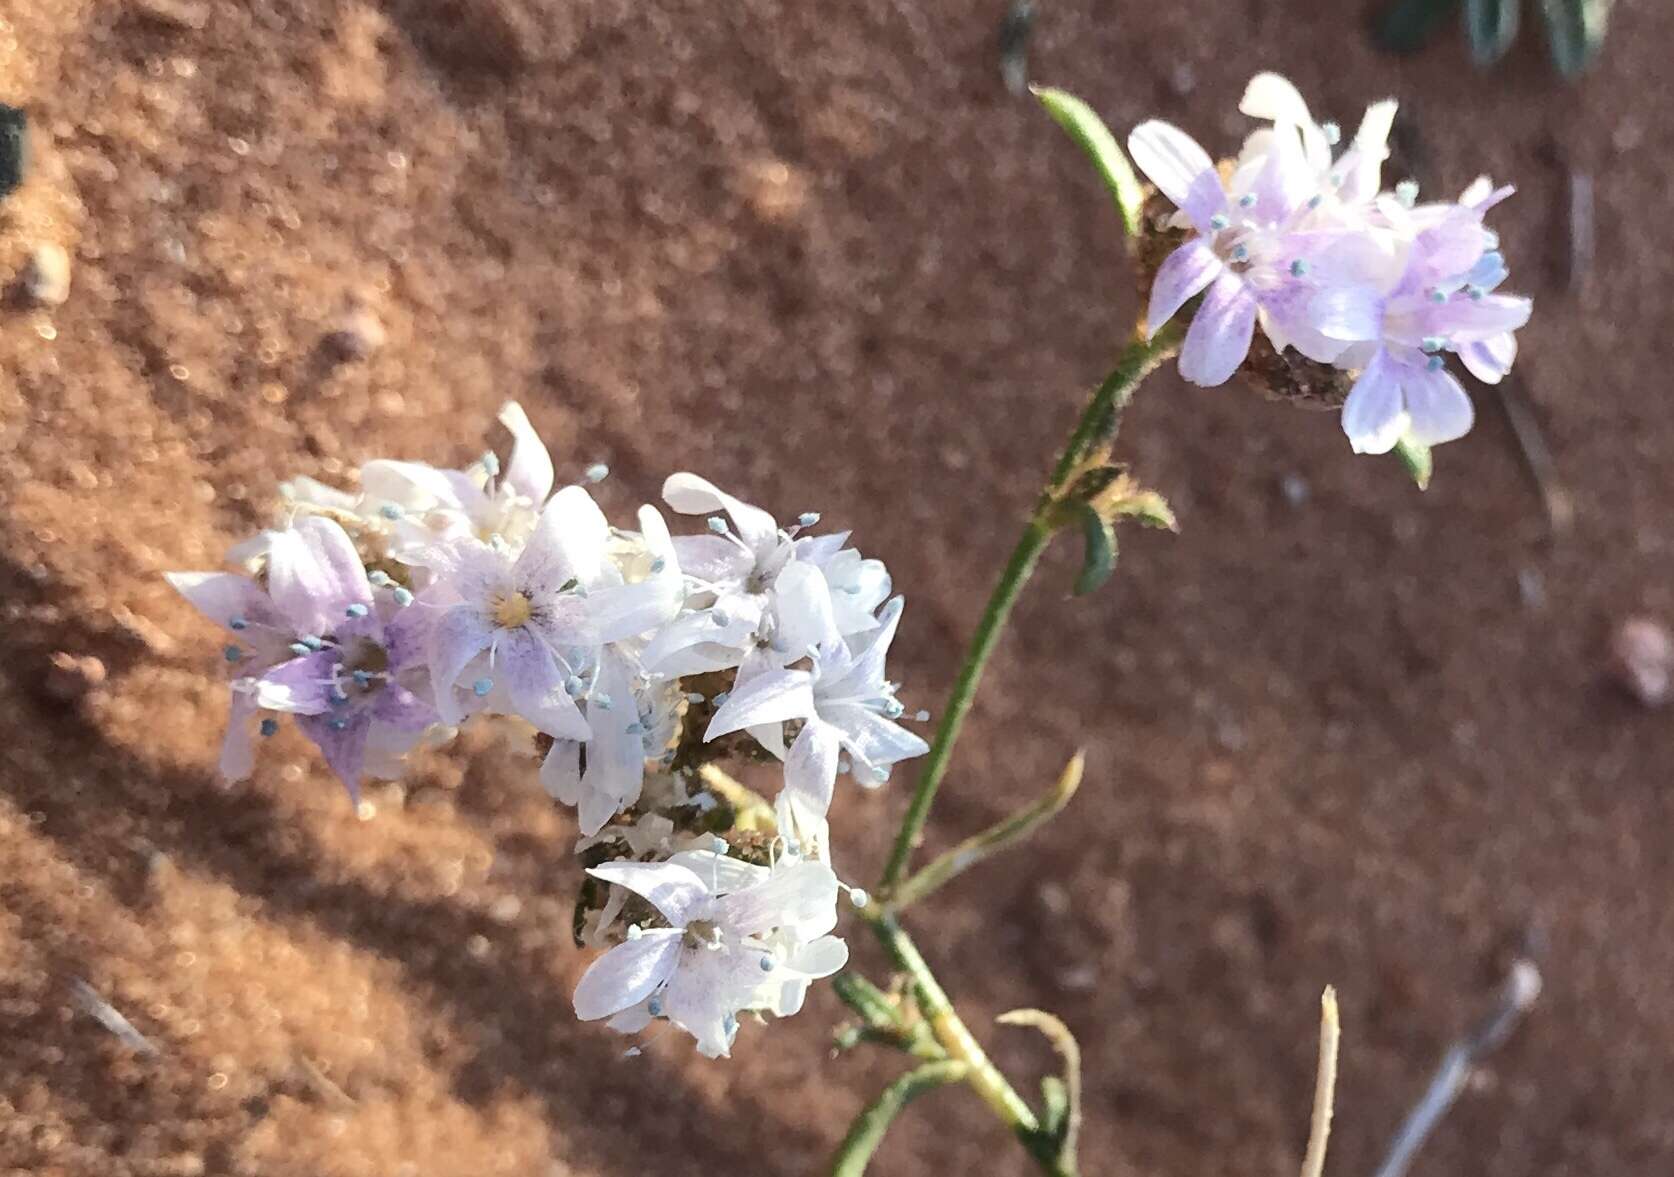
1365	285
389	616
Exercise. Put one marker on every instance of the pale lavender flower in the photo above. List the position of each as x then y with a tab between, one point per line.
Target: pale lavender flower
720	946
1442	300
531	624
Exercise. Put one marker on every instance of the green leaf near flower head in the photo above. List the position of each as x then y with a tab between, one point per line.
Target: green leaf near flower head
1575	29
1088	130
1406	25
1415	456
1099	561
1491	27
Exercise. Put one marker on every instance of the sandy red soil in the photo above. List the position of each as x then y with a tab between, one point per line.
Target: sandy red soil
817	253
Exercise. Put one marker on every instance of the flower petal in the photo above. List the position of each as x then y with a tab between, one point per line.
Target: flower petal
691	495
1181	170
1490	359
672	889
772	697
1183	275
1220	334
802	610
535	683
706	992
803	893
238	748
1374	416
872	742
342	741
300	685
1347	313
561	772
568	543
616	754
224	597
457	637
627	974
314	574
1438	405
529	471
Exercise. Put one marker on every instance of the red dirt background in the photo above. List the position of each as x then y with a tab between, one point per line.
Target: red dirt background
1350	733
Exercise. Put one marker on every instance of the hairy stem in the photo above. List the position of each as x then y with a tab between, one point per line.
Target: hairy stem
1097	426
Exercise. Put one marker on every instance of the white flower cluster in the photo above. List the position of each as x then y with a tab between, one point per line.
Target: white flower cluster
432	596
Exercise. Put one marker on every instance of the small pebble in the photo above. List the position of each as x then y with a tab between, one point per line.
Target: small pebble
1642	660
357	335
70	677
46	275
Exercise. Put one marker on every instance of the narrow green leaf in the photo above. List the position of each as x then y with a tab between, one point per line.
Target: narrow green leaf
1406	25
1575	30
867	1131
1100	560
1088	130
1416	458
1054	1107
1491	27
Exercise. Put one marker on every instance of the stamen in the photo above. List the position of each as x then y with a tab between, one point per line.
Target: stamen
720	617
717	525
232	653
722	697
1432	343
922	716
390	511
1315	201
312	641
1248	200
1219	221
654	1007
658	565
269	727
481	687
893	709
1434	363
403	596
1298	268
300	649
356	610
601	701
363	679
859	897
597	472
379	578
1332	132
1240	253
337	697
338	724
490	464
808	518
1438	296
767	964
573	686
1407	192
635	931
238	623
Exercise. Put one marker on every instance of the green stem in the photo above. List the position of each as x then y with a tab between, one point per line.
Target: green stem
1098	424
869	1127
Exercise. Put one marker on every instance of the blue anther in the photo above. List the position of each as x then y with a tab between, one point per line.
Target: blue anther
269	726
1298	268
232	653
654	1007
490	464
312	641
658	565
767	964
635	729
808	518
1315	201
356	610
338	724
379	578
238	623
1434	363
299	649
1248	200
1240	253
481	687
403	597
1332	133
601	700
720	618
1438	296
722	697
1432	343
390	511
363	678
337	697
893	709
717	525
1219	221
597	472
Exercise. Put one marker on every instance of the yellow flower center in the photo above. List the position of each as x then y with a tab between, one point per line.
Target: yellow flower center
511	610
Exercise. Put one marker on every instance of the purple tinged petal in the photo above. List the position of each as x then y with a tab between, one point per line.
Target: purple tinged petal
458	637
707	990
691	495
529	472
535	683
314	574
1183	275
1220	334
224	597
397	707
872	742
238	748
674	890
1374	416
1347	313
803	609
1490	359
1181	170
302	685
1470	320
561	772
1438	406
616	754
568	543
811	772
342	741
713	558
772	697
627	974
